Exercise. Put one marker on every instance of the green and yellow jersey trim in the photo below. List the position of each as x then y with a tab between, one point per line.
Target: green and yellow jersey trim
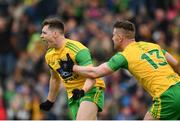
73	47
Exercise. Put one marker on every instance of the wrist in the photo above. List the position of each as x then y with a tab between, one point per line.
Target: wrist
50	101
82	92
84	89
74	68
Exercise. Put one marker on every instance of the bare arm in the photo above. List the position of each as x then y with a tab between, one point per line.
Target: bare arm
173	62
93	72
83	59
53	87
89	83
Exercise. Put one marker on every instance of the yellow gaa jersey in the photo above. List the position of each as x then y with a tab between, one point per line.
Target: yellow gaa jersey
80	55
146	61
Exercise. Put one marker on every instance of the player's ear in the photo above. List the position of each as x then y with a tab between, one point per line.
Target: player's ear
119	37
56	34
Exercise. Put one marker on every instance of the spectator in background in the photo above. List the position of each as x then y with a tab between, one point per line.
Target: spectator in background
3	115
7	53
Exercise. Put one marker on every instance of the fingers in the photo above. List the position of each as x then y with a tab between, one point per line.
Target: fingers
68	57
60	62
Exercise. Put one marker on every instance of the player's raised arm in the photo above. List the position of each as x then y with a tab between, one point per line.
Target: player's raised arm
173	62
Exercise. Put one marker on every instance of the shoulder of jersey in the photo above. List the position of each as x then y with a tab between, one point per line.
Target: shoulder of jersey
49	52
75	44
149	43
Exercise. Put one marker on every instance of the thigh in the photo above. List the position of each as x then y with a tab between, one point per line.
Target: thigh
91	103
81	108
148	116
87	111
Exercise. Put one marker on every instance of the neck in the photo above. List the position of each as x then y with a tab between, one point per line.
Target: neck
127	42
60	42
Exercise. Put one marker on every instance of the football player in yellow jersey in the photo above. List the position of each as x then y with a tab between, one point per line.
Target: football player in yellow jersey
154	68
85	96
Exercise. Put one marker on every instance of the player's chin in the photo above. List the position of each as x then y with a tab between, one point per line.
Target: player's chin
44	41
115	48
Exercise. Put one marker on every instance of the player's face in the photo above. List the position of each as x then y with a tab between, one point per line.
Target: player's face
47	36
116	39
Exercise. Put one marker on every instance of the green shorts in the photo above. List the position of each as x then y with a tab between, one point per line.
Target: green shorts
96	95
167	106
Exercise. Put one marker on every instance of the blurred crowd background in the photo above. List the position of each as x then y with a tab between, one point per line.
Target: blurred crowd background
24	76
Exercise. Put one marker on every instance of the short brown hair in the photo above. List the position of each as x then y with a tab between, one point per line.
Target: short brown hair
127	27
54	23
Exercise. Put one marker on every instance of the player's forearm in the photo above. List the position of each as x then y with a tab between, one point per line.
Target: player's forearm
175	64
178	68
89	71
89	83
53	90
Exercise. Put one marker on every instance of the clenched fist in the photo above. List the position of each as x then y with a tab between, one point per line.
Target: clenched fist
46	106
